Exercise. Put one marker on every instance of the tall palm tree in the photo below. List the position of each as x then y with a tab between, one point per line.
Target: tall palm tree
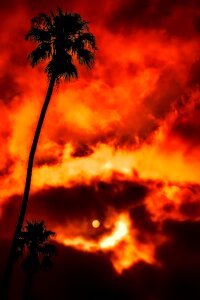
61	38
34	239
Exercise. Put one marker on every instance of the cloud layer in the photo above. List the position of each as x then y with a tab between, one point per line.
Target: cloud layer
121	144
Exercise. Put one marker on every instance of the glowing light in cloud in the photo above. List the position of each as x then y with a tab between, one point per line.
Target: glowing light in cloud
96	223
120	231
121	242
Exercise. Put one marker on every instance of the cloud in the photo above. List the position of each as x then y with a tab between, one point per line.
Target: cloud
185	125
155	15
142	220
85	202
134	116
175	275
9	87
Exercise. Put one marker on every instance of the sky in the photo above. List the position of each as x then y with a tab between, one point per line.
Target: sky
120	145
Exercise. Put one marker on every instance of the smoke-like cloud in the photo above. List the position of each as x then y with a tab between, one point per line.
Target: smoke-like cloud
120	145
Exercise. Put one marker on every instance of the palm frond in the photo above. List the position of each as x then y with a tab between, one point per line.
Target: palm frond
73	23
62	66
40	53
60	12
49	249
83	40
85	57
50	69
71	71
52	15
47	234
38	35
42	21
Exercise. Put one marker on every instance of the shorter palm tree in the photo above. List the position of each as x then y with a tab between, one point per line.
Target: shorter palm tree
34	239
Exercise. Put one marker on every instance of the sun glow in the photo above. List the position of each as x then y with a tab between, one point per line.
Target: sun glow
122	243
96	223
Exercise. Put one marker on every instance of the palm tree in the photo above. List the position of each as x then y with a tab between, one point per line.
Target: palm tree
34	239
61	38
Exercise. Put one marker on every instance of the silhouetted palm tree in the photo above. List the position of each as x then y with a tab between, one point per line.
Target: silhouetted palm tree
34	239
61	37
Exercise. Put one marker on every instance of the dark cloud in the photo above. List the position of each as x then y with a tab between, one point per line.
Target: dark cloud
64	205
185	235
142	220
85	275
194	74
10	211
74	203
82	150
9	5
190	204
191	209
80	275
6	169
167	90
180	260
187	125
143	275
121	15
90	275
182	284
122	194
175	17
85	202
9	88
48	160
35	7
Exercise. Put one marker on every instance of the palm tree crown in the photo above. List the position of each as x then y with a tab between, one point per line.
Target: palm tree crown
61	37
35	238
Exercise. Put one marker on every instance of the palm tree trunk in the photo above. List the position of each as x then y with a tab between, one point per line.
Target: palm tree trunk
27	288
11	258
